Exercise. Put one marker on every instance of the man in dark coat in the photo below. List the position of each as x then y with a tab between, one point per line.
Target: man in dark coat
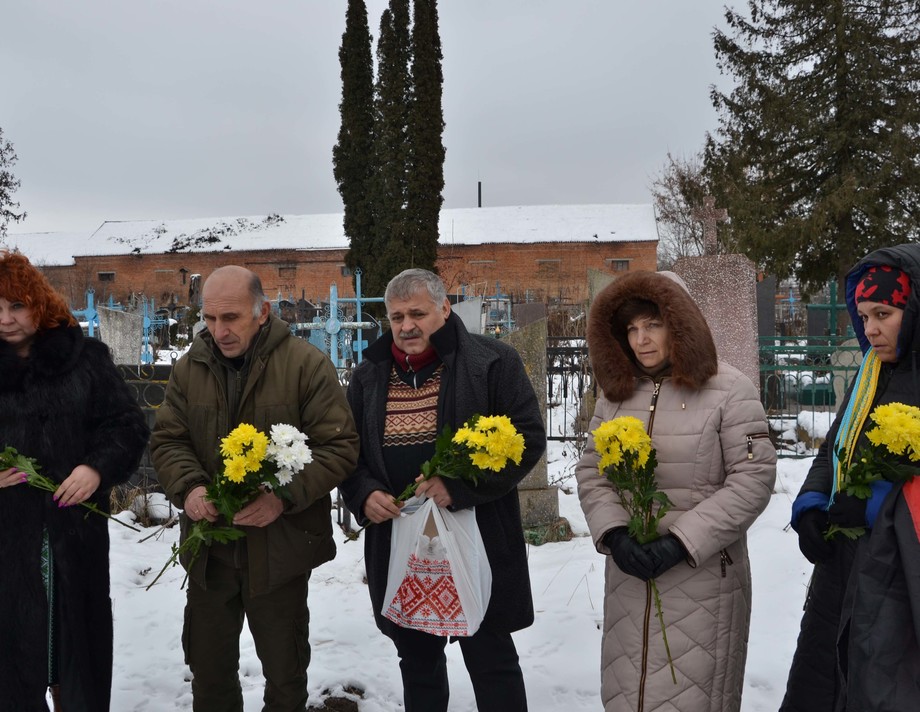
426	373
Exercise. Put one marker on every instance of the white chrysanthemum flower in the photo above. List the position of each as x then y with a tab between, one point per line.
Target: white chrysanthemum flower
289	451
302	453
284	434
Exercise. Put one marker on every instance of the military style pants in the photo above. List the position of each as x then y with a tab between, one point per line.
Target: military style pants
279	623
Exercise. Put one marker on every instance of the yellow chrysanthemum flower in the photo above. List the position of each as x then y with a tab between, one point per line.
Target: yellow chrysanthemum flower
487	461
898	429
235	469
253	461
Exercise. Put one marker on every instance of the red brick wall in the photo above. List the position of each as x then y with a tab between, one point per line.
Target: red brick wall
551	272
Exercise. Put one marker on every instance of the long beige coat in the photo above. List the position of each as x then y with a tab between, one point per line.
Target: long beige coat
717	466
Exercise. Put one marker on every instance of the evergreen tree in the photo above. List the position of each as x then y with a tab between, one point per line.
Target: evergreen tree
426	127
8	186
352	162
393	101
389	160
817	156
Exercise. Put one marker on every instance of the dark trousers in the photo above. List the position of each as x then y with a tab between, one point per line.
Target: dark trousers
490	658
279	622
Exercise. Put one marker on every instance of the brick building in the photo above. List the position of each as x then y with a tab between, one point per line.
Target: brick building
532	253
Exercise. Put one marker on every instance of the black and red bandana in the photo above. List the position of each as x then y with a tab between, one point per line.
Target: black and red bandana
885	285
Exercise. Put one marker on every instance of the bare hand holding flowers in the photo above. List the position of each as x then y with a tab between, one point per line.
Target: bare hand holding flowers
29	474
255	469
484	443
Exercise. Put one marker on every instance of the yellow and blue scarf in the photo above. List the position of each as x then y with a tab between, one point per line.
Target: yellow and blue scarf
854	417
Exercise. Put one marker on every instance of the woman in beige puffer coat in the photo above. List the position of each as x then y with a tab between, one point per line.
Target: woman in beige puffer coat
653	358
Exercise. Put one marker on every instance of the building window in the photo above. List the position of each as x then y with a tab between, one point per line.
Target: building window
105	276
345	270
548	267
617	265
287	272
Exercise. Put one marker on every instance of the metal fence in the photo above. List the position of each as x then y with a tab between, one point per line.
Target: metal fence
803	382
799	374
568	385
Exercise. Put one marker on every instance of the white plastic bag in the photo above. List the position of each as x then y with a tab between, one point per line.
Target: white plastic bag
439	580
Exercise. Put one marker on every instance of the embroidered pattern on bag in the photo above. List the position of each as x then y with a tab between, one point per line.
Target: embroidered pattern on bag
427	599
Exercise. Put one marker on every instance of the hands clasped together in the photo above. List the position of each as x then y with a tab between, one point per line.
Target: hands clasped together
260	512
644	561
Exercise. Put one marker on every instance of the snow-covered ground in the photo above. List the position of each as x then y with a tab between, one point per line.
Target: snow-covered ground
559	653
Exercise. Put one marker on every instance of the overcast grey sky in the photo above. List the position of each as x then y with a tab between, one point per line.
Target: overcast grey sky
165	109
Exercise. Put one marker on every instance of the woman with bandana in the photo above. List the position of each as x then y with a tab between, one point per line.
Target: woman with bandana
857	648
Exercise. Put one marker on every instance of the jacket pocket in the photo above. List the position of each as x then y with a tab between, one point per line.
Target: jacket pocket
755	437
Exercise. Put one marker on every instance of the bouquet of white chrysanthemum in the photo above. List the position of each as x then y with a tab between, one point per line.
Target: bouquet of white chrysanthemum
253	464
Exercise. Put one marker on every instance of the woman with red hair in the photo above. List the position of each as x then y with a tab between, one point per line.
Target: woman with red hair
63	403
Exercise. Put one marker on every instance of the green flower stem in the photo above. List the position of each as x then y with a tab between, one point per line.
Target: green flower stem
664	633
201	533
11	458
406	494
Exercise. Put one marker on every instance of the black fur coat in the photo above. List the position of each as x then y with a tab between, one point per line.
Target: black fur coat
64	405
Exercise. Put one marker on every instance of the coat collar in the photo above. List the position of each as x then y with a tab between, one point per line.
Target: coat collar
54	351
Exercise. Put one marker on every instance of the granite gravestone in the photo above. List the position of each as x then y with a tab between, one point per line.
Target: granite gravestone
724	287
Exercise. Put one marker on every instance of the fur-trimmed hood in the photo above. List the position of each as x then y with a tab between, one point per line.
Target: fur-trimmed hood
693	353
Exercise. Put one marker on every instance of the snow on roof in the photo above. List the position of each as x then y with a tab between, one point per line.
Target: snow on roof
457	226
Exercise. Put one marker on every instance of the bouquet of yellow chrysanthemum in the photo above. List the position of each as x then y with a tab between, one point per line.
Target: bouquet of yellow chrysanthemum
893	444
29	468
253	463
485	442
627	460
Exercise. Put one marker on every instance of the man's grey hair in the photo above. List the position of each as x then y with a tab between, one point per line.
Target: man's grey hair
410	282
257	294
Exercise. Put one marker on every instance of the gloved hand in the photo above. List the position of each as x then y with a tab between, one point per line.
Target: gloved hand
847	511
667	552
812	525
629	554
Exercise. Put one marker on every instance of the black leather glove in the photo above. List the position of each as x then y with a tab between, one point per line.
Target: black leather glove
812	525
667	552
629	554
847	511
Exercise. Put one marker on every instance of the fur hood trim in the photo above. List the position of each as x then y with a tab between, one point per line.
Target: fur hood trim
693	352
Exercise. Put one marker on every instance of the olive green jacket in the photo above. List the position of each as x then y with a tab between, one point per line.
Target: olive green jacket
289	381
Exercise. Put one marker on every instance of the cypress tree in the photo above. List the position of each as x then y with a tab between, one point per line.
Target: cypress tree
817	155
351	156
426	127
393	100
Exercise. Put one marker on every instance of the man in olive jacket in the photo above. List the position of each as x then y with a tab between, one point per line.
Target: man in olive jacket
248	368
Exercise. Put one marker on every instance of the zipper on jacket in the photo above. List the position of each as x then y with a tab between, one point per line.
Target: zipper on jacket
648	586
651	406
725	561
750	443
